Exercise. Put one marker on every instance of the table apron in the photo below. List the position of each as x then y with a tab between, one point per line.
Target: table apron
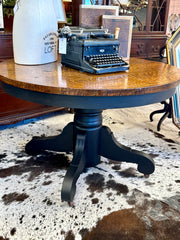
88	102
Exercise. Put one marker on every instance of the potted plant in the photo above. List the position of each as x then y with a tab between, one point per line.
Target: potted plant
8	13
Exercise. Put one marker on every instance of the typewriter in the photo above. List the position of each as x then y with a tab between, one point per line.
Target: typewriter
92	50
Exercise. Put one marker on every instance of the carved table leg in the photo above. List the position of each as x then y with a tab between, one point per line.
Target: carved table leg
76	168
59	143
111	149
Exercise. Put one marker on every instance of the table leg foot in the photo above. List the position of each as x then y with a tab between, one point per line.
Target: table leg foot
71	204
111	149
76	168
59	143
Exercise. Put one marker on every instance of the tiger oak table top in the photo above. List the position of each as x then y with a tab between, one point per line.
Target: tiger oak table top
143	77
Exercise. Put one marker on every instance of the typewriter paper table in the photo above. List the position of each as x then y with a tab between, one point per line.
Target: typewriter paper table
146	82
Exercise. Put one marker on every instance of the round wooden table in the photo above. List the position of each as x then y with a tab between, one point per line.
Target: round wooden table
146	82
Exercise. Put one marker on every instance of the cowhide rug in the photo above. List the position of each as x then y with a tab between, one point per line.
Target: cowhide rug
113	201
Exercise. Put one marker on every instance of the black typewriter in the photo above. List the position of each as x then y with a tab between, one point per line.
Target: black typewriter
92	50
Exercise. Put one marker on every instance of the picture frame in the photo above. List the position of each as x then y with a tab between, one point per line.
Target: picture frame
125	24
173	58
1	16
90	15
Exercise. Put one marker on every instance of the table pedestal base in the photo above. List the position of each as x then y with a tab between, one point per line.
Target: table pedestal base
88	140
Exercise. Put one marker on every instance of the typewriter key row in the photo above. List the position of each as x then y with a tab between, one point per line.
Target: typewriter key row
106	60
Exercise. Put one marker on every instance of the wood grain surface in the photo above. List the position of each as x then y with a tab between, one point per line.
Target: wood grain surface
125	23
143	77
90	15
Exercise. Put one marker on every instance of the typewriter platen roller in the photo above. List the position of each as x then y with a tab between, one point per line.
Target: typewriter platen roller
92	50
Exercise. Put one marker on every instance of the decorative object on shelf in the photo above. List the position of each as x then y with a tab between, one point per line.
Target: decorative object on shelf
8	6
35	31
173	23
8	14
1	17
